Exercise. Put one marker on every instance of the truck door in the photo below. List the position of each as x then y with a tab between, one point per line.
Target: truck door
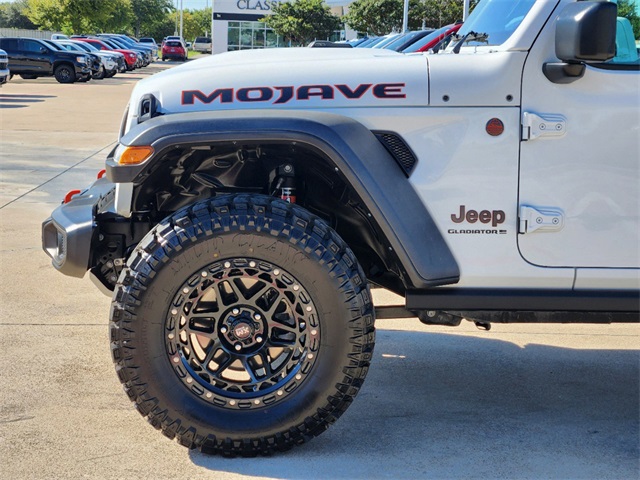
35	56
579	162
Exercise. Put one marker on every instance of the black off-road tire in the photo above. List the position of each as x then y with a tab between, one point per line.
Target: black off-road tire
65	73
259	237
27	76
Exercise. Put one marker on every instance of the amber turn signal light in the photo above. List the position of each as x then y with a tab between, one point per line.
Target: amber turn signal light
132	155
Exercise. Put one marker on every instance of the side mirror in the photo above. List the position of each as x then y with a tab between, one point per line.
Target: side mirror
43	50
585	33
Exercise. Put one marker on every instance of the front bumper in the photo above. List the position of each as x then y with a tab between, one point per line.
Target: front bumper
68	234
82	70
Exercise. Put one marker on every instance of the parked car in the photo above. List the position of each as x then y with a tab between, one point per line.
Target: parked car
143	56
59	36
32	58
117	56
108	63
202	44
94	62
407	39
148	40
386	40
5	74
149	52
131	58
430	41
174	49
372	42
176	38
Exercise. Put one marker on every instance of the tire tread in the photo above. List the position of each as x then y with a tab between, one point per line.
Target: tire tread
223	214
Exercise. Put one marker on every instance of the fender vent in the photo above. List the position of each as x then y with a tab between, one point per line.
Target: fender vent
400	151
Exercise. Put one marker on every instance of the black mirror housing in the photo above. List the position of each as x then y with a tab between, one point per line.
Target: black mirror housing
586	32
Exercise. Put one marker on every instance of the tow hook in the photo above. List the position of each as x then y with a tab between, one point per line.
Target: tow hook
70	195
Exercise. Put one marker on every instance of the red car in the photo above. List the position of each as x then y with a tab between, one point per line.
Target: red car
431	40
129	56
173	49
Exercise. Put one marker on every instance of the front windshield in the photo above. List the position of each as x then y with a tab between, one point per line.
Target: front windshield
54	45
71	48
116	42
87	46
111	44
493	21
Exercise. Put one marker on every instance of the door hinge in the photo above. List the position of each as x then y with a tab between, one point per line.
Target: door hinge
541	219
547	125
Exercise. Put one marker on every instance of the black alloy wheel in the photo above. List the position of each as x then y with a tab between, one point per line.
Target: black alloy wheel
242	325
65	74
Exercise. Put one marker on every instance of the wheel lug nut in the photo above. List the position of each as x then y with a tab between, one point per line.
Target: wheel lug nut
259	339
237	346
223	329
235	311
257	316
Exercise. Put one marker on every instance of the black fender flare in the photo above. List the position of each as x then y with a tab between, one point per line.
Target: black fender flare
353	149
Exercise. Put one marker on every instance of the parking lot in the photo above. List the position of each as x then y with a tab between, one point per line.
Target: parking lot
519	401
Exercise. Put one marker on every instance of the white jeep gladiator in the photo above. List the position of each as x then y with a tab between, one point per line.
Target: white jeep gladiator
255	196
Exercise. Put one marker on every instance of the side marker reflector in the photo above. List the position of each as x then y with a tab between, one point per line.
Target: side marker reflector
495	127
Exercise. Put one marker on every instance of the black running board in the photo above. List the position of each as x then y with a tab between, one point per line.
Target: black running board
541	300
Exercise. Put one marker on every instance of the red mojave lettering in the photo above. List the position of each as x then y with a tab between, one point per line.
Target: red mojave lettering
280	95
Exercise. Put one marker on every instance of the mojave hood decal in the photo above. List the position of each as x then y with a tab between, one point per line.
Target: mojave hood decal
291	78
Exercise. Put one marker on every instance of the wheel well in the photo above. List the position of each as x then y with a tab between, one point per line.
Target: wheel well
63	62
184	174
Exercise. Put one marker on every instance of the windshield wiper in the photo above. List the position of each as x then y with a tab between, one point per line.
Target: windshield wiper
470	37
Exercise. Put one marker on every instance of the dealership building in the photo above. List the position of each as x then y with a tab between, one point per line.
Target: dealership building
236	25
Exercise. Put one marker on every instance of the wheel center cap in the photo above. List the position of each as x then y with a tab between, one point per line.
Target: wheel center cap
242	330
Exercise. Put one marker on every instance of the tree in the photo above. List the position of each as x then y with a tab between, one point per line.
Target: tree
302	21
80	16
438	13
379	17
12	15
626	8
202	18
162	29
147	13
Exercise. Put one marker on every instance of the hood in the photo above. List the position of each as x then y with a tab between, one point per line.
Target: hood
295	78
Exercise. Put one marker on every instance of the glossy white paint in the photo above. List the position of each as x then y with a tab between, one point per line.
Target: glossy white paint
608	278
483	79
292	68
591	173
460	164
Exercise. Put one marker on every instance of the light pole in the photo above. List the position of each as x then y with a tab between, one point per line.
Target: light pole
175	29
212	7
181	11
465	11
405	17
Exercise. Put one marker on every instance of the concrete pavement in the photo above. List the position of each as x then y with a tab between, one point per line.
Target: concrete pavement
520	401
